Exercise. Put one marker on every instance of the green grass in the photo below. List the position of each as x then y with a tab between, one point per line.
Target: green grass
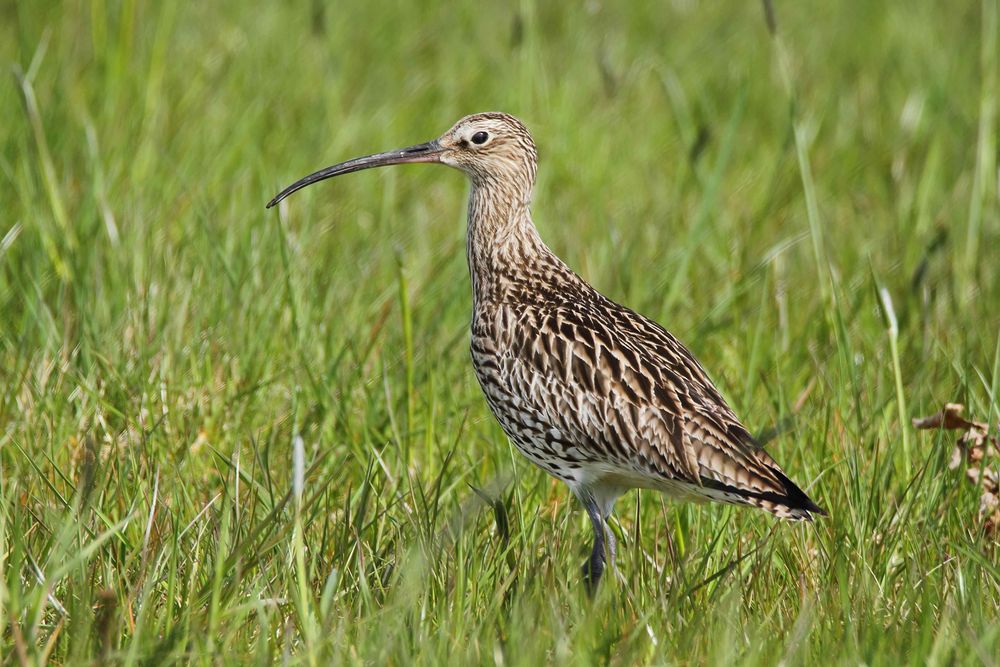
164	340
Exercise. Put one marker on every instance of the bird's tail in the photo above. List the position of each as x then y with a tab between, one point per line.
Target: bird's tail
771	491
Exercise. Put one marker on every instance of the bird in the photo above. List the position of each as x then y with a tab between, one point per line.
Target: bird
593	393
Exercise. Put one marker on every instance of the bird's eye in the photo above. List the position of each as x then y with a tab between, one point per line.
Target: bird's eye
480	138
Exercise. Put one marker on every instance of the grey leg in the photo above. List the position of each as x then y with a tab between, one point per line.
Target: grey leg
612	543
593	568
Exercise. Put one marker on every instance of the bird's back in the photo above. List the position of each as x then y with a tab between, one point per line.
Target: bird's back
606	399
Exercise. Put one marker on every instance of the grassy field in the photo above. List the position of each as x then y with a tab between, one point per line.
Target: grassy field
172	355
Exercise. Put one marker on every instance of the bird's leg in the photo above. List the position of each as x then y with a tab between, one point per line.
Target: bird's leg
612	542
593	568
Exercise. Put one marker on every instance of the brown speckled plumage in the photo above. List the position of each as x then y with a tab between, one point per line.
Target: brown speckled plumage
588	390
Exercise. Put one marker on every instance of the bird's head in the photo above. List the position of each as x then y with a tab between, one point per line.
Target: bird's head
489	147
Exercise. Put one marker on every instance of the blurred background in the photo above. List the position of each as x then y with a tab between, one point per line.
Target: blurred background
805	193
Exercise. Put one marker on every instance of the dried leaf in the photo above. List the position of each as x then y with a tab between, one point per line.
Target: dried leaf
957	454
989	503
991	524
949	418
976	451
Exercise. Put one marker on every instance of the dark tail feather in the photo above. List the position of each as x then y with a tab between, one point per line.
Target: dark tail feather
790	502
796	497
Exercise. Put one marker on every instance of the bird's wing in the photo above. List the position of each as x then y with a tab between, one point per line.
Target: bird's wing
628	391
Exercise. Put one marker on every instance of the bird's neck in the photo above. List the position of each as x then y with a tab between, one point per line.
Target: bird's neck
502	241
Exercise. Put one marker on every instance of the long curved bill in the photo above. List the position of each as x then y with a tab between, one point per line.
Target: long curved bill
426	152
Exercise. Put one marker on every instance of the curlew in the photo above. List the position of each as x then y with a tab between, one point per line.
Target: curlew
588	390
